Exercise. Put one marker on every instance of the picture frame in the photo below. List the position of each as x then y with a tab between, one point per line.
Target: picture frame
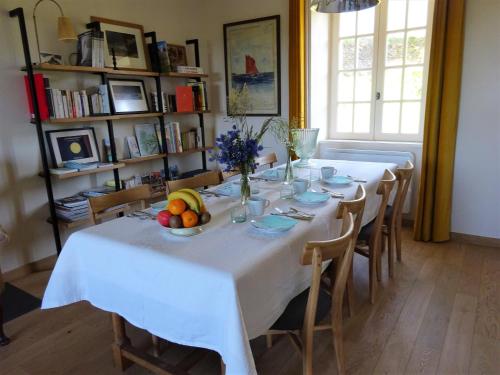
128	42
147	139
252	56
128	96
67	145
177	56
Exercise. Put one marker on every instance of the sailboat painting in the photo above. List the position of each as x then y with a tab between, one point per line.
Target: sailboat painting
252	54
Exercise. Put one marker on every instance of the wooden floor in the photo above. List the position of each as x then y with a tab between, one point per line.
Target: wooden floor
440	314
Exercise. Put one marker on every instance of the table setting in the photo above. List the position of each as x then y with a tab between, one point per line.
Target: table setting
226	272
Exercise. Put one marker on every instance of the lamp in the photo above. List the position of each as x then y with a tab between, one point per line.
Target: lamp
65	31
341	6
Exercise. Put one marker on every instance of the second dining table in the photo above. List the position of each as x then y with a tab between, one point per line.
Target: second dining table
216	290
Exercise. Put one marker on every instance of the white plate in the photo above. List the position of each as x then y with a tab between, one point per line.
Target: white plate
274	223
339	180
312	197
159	206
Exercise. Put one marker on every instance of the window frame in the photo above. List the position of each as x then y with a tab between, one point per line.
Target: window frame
378	70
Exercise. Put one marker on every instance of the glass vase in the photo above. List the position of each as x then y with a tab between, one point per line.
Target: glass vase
246	190
304	141
288	177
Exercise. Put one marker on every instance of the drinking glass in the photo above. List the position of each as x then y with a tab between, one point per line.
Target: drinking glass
239	214
287	191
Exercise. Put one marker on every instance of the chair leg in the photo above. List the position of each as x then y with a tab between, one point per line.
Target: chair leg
338	345
155	340
350	291
378	256
390	252
372	274
222	367
307	354
398	240
4	340
269	341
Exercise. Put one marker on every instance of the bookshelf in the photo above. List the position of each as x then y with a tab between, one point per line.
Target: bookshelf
103	74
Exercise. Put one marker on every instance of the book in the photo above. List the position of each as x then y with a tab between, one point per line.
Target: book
189	69
41	96
184	99
147	139
62	170
133	147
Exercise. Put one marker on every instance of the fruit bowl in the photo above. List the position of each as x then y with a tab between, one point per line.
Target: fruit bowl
186	232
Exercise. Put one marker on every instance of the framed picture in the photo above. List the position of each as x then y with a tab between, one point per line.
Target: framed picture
51	58
127	42
128	96
253	58
176	56
72	145
147	139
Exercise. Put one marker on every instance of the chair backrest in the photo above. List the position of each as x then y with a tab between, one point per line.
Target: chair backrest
342	249
403	176
384	189
269	159
99	207
204	179
356	207
225	175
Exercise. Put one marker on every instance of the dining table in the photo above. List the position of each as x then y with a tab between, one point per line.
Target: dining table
218	289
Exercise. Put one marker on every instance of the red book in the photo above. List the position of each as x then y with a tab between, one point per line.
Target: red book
184	99
40	94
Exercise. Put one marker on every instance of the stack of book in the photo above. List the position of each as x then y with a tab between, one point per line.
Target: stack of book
90	49
192	97
168	102
189	140
72	208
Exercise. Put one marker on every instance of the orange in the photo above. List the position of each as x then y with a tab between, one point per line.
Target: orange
177	206
189	219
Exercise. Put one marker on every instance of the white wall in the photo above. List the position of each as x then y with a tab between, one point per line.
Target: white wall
476	193
23	201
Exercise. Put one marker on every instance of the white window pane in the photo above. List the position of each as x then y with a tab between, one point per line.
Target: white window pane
363	86
392	83
417	13
347	25
347	53
394	49
390	118
345	87
410	118
396	15
365	52
366	21
413	83
344	118
362	118
415	47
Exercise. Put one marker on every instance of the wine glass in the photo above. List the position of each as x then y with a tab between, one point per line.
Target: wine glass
304	142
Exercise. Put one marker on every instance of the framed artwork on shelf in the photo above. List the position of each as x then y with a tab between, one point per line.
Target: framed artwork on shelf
253	59
176	56
147	139
128	96
68	145
127	42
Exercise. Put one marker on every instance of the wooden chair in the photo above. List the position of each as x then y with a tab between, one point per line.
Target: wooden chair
269	159
204	179
394	214
117	202
370	237
303	314
4	340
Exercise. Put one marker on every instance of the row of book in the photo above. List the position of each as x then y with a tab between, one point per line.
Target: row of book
168	102
178	141
61	103
190	98
90	49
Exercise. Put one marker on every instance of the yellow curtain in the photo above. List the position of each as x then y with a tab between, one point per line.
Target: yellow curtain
433	218
297	61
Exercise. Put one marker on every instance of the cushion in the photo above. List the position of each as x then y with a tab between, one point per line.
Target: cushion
293	316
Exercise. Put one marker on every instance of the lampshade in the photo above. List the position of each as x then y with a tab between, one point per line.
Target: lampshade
65	29
341	6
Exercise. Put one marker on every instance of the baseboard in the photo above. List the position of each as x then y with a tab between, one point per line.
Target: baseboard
44	264
476	240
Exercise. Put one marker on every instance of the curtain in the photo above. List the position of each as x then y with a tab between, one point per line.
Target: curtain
433	217
297	61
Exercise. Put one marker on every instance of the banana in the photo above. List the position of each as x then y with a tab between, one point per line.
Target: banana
195	194
189	198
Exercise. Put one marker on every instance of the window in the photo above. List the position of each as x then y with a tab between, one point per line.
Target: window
368	71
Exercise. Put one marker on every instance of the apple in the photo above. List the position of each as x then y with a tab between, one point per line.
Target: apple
163	218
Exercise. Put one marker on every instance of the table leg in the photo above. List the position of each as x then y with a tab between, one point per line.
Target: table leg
119	340
4	340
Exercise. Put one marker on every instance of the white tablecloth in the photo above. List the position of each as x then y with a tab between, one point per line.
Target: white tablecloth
215	290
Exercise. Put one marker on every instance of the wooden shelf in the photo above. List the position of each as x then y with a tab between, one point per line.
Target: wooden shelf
71	224
158	194
191	151
183	75
90	69
142	159
65	176
185	113
101	118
